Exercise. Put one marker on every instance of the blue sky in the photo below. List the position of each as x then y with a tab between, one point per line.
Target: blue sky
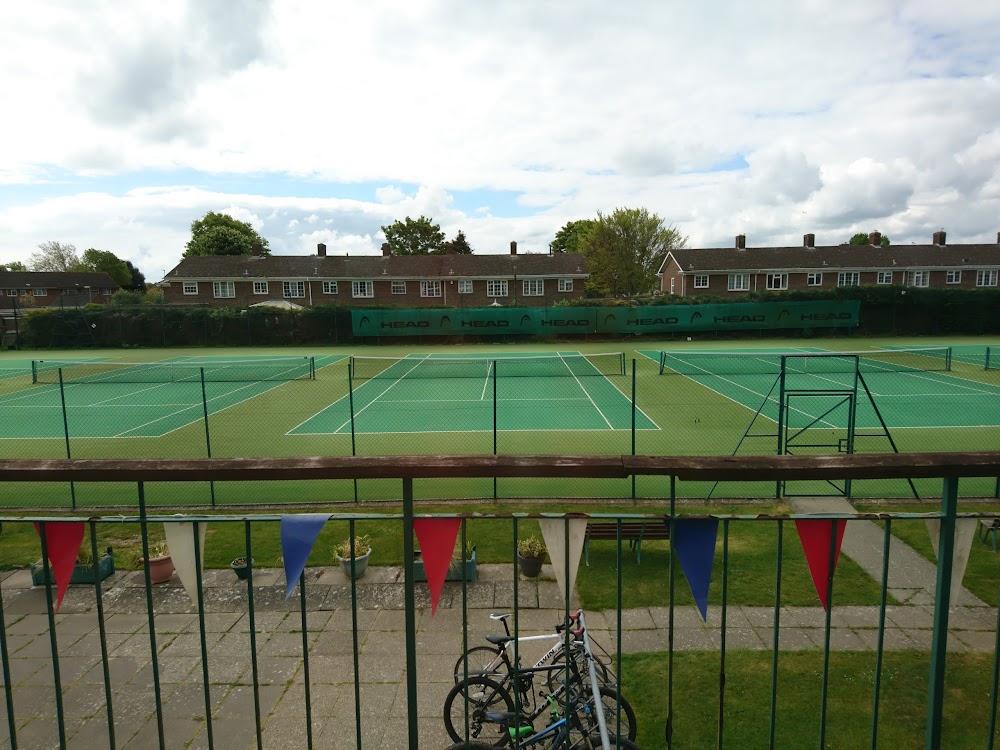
321	122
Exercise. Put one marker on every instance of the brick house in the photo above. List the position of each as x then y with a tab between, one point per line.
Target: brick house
54	288
529	280
731	271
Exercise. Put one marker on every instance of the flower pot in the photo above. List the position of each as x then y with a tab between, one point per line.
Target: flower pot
458	570
531	567
360	564
160	569
240	568
82	572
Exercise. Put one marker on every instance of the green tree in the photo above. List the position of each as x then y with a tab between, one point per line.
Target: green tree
106	261
138	281
459	245
14	265
861	238
219	234
624	251
568	238
55	256
414	236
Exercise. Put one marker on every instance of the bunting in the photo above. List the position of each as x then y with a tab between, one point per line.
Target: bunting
815	537
554	534
965	532
180	542
298	535
62	543
437	544
694	543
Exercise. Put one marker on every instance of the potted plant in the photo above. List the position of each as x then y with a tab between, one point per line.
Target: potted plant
240	567
530	555
458	570
161	566
362	551
83	571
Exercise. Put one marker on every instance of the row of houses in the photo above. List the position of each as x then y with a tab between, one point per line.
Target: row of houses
733	271
54	288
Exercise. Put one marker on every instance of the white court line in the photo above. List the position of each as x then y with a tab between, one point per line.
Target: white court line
396	382
489	369
610	426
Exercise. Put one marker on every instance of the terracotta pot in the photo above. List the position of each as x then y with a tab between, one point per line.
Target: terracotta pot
160	569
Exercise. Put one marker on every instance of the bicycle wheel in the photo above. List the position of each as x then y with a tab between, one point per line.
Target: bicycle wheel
479	694
477	659
555	678
610	699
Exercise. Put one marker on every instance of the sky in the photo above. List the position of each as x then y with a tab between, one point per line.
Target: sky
324	121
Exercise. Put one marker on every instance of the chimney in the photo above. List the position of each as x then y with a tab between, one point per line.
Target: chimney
256	249
938	238
809	240
386	250
513	247
875	238
321	250
741	242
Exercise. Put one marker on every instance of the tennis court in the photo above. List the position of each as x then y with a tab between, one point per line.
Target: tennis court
111	399
565	391
912	388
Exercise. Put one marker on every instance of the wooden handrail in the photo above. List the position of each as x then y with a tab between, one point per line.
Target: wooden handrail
701	468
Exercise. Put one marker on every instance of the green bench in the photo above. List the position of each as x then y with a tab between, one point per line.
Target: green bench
633	532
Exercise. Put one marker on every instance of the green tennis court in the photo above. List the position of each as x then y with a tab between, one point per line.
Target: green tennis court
108	399
563	392
910	388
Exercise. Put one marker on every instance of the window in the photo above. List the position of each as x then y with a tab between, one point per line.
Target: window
465	287
533	287
883	277
66	292
673	285
223	289
496	288
917	278
430	288
362	289
190	287
814	279
11	292
40	292
986	278
293	288
848	278
701	281
953	277
739	282
399	287
260	287
565	285
777	281
329	287
107	292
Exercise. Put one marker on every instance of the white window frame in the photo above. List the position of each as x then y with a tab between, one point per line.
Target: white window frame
220	289
533	287
288	289
986	278
362	289
777	282
11	292
66	292
883	277
397	287
107	291
814	279
565	285
189	287
953	277
701	281
260	287
849	278
920	279
430	288
40	292
465	287
329	287
739	282
673	286
496	288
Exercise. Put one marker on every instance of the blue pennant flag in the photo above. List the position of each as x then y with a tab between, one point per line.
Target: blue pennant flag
694	542
298	534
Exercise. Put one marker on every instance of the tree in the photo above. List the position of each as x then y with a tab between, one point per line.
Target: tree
459	245
14	265
220	234
625	249
861	238
414	237
138	281
568	238
107	262
54	256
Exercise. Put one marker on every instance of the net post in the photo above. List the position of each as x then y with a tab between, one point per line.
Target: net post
34	370
947	359
208	437
663	361
986	359
312	368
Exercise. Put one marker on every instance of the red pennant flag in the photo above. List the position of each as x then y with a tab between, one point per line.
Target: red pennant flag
437	543
815	537
63	540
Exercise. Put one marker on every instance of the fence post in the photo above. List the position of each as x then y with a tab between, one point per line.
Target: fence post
65	416
939	637
495	423
633	422
350	397
208	437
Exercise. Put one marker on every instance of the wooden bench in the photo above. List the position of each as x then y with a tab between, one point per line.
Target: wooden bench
634	532
988	528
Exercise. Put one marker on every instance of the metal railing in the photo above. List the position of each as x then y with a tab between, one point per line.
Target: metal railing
950	467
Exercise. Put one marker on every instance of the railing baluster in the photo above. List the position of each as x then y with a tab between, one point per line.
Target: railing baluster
772	723
354	636
8	689
305	657
206	687
722	649
253	637
668	729
411	617
144	533
53	641
834	526
102	635
991	735
886	537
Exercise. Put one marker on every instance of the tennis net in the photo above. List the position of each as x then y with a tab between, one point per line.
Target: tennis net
543	366
278	369
927	359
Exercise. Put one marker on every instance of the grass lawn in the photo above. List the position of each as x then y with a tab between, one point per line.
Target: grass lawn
902	711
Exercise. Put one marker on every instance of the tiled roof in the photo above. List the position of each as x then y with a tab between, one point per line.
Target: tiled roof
373	266
837	256
55	279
